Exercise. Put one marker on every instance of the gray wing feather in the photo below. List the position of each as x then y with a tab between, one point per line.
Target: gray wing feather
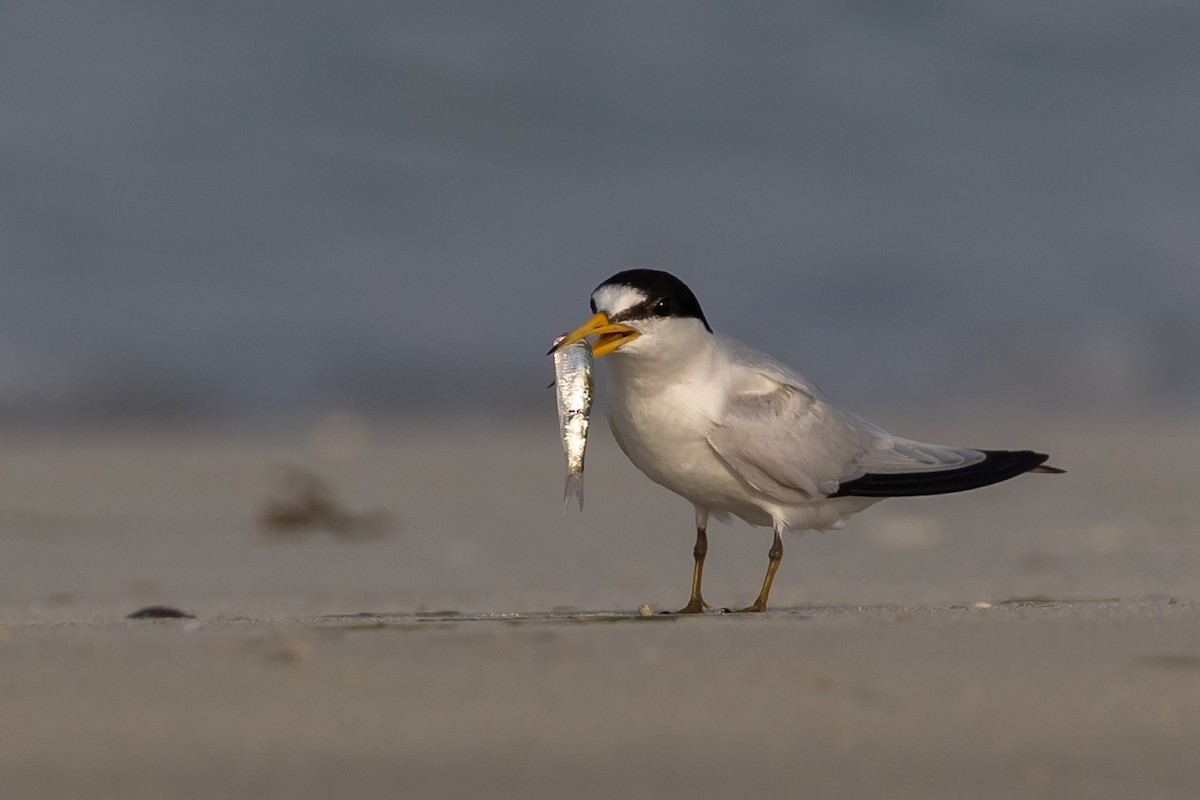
780	435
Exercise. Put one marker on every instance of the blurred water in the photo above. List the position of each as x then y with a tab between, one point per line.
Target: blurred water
220	208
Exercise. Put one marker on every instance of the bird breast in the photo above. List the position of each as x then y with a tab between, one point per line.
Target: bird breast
664	433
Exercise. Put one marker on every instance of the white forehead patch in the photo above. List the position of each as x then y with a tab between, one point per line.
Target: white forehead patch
613	299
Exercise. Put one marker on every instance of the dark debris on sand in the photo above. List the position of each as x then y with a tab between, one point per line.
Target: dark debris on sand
306	504
160	612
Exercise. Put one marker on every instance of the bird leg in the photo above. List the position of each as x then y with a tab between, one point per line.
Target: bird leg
775	554
696	604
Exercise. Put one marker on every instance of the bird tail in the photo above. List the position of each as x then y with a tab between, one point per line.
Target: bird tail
996	466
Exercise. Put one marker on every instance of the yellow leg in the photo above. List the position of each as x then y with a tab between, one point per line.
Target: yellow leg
696	604
775	554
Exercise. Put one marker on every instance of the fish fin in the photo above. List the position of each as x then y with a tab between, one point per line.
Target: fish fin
574	487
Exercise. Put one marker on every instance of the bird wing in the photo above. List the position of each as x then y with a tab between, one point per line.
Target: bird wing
785	443
779	434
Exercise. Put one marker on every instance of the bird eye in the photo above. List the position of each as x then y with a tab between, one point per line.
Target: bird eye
662	307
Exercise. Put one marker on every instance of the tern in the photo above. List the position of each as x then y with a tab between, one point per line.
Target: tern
736	432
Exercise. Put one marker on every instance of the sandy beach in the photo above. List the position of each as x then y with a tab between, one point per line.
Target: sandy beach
276	283
1035	639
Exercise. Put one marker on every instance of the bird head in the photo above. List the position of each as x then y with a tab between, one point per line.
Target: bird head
642	311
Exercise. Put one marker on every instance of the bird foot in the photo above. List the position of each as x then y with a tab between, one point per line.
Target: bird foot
754	608
695	606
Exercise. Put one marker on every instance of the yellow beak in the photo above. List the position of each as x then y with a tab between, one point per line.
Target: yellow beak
612	335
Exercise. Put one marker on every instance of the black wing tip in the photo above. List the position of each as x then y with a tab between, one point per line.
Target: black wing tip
997	466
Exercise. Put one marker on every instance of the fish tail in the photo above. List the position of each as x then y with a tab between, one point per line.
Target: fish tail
574	487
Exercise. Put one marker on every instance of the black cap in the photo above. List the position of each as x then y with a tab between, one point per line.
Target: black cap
666	296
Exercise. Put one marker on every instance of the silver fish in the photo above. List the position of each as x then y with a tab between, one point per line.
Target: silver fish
573	388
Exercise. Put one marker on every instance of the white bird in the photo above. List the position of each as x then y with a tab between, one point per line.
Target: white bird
736	432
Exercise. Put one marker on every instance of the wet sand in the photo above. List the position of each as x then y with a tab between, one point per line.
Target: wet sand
1036	639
